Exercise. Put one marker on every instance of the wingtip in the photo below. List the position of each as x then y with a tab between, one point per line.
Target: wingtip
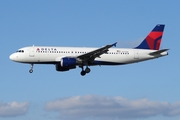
115	44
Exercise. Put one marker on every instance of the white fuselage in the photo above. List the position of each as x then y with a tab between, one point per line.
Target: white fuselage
53	55
66	58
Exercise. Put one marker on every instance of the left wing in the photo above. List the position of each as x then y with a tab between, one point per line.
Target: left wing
96	53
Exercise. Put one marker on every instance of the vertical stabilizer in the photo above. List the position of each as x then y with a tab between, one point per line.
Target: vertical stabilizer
153	40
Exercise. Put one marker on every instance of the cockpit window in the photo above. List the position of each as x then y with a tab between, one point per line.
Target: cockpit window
21	51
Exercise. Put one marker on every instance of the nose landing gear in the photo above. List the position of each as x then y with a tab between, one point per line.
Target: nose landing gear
31	68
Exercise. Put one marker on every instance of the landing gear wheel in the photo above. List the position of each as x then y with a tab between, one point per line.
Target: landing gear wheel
83	73
31	70
87	70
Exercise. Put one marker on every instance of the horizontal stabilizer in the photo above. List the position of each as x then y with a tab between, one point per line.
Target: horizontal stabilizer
158	52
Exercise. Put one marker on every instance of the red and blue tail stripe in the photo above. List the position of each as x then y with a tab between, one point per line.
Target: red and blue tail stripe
153	40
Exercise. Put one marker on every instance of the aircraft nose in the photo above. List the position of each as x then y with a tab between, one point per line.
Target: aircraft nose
12	57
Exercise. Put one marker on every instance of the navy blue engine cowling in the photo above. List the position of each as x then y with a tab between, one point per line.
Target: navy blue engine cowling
68	62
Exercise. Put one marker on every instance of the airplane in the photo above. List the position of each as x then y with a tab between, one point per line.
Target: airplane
66	58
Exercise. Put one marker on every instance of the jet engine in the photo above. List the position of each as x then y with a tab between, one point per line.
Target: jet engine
66	64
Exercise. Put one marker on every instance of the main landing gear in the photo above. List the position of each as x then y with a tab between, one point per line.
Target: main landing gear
31	68
87	70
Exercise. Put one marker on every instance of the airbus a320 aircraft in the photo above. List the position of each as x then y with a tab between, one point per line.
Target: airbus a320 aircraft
66	58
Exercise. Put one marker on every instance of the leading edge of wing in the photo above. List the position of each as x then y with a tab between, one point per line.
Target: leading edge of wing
97	52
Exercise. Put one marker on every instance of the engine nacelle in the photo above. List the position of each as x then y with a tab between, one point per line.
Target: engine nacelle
60	68
68	62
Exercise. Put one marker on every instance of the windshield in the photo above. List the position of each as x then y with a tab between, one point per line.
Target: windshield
21	51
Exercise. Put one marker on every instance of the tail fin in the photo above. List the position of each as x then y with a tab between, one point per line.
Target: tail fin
153	40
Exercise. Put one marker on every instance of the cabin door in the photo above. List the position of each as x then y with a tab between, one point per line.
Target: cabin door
136	54
31	52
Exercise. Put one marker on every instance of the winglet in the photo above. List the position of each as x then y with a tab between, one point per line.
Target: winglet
114	44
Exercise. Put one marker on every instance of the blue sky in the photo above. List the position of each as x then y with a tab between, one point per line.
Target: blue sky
142	91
